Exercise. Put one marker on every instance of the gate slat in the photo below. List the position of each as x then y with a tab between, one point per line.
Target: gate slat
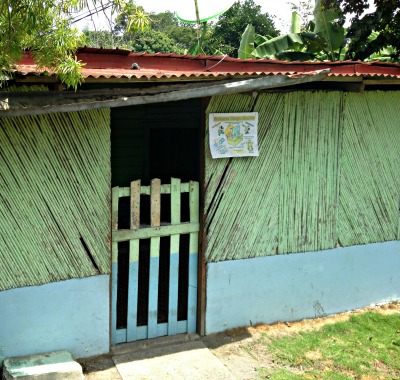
133	279
193	258
135	205
155	205
133	288
174	258
153	286
155	218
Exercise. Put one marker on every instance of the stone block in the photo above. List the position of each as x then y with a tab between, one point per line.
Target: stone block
50	366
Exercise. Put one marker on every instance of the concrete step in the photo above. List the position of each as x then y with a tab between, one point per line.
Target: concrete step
182	360
50	366
149	344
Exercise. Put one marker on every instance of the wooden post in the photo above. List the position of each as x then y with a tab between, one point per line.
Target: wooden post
193	257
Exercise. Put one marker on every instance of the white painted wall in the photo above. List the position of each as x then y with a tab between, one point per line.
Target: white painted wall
302	285
70	315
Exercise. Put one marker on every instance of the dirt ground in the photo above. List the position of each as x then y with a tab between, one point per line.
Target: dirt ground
240	349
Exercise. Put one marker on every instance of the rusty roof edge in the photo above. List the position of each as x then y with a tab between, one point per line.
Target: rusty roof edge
209	89
214	57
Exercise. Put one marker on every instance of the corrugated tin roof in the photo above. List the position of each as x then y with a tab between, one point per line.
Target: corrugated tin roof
117	64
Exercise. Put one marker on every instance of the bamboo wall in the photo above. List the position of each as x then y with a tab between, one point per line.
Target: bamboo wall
54	198
325	176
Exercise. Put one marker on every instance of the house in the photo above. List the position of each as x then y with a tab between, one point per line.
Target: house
117	224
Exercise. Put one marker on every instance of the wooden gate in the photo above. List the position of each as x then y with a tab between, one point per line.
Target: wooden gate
143	272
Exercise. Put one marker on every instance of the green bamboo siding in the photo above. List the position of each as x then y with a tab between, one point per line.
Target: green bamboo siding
54	198
309	171
312	181
370	169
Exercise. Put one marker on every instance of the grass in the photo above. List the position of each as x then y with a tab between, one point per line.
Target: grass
367	346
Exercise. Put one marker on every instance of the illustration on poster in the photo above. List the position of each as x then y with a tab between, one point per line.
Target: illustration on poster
233	135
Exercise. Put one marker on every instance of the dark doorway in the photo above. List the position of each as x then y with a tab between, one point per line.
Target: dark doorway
154	141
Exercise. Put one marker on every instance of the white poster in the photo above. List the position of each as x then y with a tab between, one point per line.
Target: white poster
233	134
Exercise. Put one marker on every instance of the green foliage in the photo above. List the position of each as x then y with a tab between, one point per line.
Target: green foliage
165	34
227	33
324	39
101	38
328	27
183	35
153	41
375	36
46	29
386	54
385	21
367	345
131	19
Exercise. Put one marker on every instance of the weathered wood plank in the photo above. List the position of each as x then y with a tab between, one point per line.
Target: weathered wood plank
145	233
155	202
145	190
114	212
175	200
202	91
135	205
194	201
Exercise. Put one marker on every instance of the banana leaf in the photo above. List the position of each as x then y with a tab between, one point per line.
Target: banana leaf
295	26
326	26
270	48
259	39
247	43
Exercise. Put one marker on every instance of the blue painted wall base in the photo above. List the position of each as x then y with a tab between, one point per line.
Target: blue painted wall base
69	315
302	285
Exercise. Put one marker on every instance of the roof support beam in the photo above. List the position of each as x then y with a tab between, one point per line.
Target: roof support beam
31	103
